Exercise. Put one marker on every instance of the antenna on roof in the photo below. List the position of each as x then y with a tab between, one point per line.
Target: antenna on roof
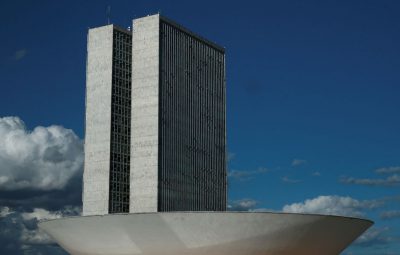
108	13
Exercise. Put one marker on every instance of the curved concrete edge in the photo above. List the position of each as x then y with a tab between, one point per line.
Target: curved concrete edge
216	212
195	233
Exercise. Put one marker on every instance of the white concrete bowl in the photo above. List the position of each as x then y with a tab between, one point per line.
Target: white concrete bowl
206	233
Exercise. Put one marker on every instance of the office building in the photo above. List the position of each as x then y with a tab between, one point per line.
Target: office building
178	119
155	120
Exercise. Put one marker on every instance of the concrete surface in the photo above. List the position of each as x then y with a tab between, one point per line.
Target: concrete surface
98	118
211	233
144	121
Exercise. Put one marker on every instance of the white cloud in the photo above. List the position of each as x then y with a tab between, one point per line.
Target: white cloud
263	210
393	180
247	175
34	236
388	170
41	214
20	54
298	162
289	180
242	205
333	205
374	236
389	215
316	173
43	159
4	211
21	227
37	236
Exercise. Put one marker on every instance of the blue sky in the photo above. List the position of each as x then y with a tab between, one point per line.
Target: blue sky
313	97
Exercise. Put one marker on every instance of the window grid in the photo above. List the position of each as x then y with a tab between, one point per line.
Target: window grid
192	171
120	122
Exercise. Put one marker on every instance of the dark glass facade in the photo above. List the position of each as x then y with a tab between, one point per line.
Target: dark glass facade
191	122
120	122
192	168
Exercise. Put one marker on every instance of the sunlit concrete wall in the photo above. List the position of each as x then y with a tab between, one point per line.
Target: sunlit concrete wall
98	119
144	128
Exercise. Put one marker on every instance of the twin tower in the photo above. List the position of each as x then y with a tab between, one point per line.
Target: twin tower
155	120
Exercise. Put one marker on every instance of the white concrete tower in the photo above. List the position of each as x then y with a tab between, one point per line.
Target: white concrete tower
178	119
145	106
98	117
107	132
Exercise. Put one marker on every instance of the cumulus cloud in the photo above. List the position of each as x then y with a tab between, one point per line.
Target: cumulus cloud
35	235
50	200
40	173
4	211
41	214
393	180
19	233
43	159
388	170
333	205
298	162
242	205
246	175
